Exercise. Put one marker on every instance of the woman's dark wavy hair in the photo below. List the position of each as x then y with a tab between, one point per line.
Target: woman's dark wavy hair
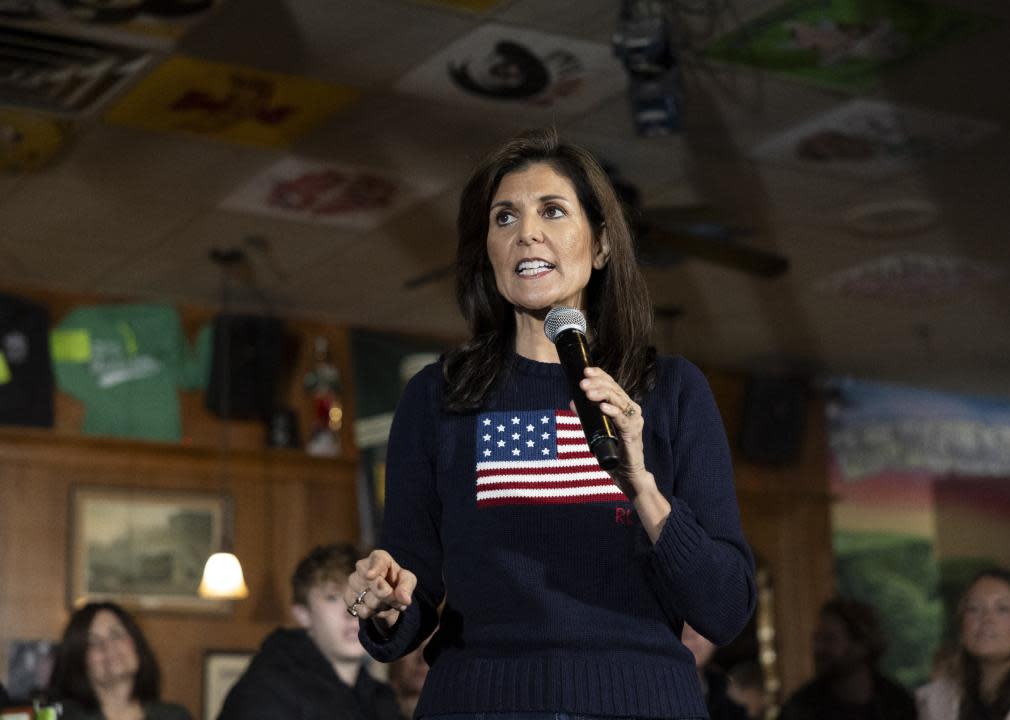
70	675
969	675
618	309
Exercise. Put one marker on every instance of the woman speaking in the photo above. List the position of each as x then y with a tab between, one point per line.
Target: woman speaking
563	587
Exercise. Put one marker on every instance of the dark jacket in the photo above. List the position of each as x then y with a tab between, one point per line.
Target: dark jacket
814	701
289	679
3	696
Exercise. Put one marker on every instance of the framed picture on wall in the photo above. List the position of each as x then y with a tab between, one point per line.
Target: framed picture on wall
143	548
221	670
29	665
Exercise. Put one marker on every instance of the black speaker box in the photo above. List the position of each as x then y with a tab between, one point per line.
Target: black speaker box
774	415
245	366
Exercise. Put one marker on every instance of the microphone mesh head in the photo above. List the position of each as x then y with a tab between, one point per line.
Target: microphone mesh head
560	319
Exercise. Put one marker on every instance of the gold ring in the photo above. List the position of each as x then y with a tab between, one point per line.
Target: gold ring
629	411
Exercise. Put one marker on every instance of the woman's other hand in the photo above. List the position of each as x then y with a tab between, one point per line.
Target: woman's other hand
379	588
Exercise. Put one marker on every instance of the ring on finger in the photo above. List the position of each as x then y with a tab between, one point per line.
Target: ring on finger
352	609
629	411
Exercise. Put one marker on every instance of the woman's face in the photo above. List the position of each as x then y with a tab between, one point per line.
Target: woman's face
112	655
985	624
540	242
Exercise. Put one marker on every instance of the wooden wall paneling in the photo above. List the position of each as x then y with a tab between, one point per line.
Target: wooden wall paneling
37	473
269	598
33	519
782	528
785	510
290	543
331	516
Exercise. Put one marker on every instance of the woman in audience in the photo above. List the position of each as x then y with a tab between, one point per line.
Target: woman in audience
978	687
105	670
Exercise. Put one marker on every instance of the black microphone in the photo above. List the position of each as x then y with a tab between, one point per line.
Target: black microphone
566	328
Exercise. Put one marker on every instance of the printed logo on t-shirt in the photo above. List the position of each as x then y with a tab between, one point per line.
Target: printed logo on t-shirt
538	457
15	347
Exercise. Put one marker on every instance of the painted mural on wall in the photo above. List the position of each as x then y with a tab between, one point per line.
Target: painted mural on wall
922	487
844	44
877	427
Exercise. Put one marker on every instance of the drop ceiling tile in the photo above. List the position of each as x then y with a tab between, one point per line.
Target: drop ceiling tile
358	42
181	262
191	172
70	267
63	210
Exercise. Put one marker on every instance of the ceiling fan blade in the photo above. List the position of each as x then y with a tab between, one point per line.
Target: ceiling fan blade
722	250
429	277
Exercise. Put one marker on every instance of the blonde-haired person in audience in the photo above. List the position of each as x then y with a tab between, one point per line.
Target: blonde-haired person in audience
977	684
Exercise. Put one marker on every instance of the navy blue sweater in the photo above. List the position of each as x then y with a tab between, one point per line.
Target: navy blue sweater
555	599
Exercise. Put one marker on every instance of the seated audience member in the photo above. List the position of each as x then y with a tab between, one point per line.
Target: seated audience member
976	685
105	670
713	680
316	670
746	688
406	676
848	645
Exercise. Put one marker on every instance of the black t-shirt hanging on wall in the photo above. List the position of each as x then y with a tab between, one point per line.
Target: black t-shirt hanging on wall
26	376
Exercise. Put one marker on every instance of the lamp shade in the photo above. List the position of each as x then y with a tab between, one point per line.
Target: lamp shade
222	578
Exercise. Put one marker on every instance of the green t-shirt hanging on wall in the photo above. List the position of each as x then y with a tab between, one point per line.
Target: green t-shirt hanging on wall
126	363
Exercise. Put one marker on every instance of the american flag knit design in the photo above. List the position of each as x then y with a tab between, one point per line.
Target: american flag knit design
538	457
559	607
